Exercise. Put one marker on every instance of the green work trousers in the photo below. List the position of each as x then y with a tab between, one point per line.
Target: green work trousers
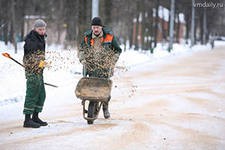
35	94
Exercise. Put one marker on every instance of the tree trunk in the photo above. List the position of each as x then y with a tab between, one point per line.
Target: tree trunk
193	24
140	35
178	29
134	35
172	11
187	18
151	31
13	24
204	25
156	22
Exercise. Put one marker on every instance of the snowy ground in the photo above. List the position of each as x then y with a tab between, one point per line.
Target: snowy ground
159	101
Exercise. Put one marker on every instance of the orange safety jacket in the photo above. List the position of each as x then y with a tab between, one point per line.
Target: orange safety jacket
104	40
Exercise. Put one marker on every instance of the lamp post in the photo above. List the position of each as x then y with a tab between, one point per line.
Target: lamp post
95	8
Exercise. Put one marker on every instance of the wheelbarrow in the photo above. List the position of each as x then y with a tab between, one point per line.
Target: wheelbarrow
95	92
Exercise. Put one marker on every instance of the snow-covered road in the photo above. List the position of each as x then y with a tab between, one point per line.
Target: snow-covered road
179	104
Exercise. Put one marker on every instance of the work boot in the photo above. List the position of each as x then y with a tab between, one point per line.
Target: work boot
36	119
29	123
106	110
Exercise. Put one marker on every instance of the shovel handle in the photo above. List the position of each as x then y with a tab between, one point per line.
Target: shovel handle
8	56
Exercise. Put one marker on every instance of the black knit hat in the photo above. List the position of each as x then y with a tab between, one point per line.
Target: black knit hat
96	21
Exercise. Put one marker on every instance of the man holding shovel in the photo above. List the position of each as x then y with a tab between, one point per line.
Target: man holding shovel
34	62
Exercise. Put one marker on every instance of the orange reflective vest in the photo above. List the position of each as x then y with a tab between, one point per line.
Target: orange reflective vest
107	39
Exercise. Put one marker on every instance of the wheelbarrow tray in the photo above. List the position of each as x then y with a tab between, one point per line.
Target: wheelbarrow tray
94	89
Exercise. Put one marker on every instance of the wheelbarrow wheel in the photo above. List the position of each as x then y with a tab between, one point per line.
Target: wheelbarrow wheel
90	122
92	108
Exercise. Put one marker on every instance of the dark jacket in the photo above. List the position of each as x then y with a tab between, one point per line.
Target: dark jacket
34	52
113	45
110	50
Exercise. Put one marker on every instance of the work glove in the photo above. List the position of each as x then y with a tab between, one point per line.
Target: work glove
42	64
